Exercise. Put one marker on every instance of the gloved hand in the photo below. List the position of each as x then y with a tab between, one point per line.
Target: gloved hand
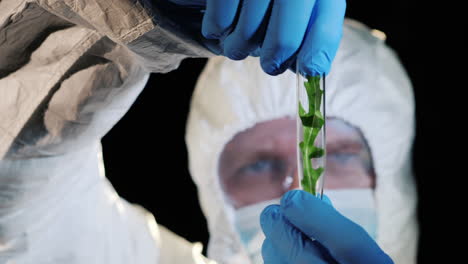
279	31
289	227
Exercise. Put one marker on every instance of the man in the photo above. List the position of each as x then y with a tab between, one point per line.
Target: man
241	140
69	70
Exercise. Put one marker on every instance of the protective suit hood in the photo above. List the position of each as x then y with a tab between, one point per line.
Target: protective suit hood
366	87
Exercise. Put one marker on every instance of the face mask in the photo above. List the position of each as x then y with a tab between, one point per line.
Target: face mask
357	205
247	221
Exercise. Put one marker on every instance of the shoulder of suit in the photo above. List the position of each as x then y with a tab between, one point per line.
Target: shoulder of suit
359	34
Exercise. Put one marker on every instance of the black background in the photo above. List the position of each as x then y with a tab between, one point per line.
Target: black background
145	169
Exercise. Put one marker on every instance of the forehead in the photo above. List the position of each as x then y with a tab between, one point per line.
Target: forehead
279	131
338	130
263	135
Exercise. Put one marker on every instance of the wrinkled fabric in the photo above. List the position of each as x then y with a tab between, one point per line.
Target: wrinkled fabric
60	38
69	70
69	214
367	87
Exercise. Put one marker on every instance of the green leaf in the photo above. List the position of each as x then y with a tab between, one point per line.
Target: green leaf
316	153
318	120
316	173
306	186
307	119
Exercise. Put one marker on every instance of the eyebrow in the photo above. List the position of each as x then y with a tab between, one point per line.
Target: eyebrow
345	143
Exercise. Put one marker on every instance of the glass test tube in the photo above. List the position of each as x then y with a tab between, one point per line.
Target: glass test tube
311	151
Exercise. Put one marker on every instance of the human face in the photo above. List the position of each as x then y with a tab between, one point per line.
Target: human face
260	164
349	161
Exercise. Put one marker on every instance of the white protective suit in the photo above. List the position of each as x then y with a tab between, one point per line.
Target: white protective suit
69	70
367	87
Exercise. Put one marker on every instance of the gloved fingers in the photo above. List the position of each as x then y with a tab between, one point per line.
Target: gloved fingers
327	200
286	242
255	53
249	31
219	18
270	254
286	29
213	45
323	37
346	241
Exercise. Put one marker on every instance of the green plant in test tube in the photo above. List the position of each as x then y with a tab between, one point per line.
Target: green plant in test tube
312	122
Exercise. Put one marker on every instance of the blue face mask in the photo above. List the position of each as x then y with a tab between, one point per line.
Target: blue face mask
247	221
357	205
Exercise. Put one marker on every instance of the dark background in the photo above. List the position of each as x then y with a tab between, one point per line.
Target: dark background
146	159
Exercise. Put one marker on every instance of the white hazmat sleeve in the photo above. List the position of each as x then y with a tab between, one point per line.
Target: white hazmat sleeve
69	70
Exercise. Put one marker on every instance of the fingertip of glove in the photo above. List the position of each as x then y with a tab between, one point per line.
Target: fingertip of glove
210	30
312	70
269	212
295	201
236	55
273	66
327	200
270	67
268	215
314	64
208	34
289	197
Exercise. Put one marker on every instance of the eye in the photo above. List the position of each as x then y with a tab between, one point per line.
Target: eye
266	165
259	166
342	157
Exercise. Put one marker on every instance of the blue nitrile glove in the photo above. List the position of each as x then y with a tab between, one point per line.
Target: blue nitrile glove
289	227
279	31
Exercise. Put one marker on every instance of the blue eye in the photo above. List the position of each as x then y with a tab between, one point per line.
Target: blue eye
263	166
342	157
260	166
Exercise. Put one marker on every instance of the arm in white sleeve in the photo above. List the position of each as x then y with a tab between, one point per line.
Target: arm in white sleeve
175	249
69	70
43	43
